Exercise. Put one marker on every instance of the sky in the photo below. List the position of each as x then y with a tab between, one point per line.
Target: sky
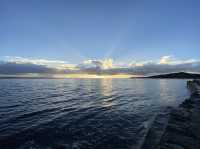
100	34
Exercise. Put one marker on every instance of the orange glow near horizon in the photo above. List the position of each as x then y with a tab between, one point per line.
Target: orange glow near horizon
89	76
95	76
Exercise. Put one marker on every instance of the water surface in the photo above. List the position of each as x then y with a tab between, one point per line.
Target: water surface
82	113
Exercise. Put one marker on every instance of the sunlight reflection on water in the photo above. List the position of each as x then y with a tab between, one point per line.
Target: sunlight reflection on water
93	113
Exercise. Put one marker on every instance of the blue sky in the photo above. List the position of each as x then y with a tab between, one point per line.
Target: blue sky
74	30
78	30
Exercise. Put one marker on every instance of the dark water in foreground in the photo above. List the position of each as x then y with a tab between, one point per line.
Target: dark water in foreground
82	113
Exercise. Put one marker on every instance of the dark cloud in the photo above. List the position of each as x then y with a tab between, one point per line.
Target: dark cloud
146	69
167	68
97	67
15	68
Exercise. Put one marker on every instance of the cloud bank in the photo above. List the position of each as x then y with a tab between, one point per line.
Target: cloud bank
166	64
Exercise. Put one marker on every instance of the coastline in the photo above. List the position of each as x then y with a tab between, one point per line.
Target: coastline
181	128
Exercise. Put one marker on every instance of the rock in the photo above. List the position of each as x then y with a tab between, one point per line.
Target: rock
171	146
183	127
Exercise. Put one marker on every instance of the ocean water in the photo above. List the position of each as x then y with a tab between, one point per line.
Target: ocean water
82	113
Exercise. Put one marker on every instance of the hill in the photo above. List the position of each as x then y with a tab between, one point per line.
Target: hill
179	75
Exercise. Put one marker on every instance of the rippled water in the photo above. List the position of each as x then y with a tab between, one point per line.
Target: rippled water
82	113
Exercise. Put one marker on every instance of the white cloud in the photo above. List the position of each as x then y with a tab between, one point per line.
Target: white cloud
102	64
49	63
165	60
169	60
165	64
107	63
139	63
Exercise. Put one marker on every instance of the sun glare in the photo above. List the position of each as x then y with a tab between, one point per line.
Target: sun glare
94	76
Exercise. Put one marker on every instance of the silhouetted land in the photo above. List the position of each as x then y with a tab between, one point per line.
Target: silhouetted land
179	75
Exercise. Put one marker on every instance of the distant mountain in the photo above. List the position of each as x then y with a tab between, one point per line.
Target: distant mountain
179	75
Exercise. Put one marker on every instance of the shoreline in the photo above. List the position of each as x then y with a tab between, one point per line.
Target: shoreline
181	128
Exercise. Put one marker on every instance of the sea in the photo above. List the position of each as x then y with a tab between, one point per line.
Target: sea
83	113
